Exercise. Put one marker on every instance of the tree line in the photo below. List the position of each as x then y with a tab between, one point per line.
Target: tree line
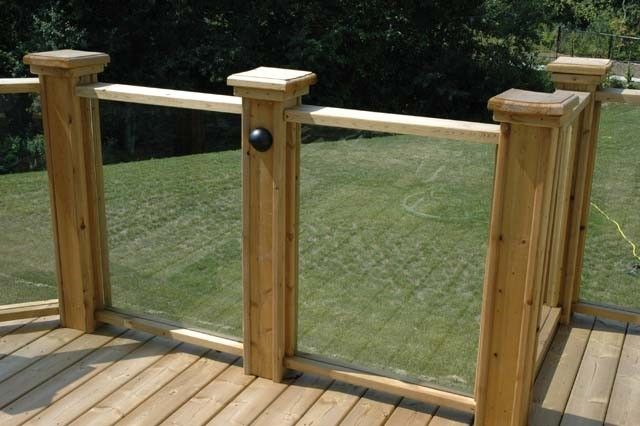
436	58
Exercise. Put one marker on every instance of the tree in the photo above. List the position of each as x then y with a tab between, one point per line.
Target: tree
437	58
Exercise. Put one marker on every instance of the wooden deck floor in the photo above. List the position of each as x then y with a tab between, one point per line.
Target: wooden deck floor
590	376
56	376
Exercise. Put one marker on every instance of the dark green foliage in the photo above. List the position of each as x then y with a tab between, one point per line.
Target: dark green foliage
436	58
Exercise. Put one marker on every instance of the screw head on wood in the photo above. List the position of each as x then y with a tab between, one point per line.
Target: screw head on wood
260	139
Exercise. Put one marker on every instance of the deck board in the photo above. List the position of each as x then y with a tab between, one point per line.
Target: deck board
93	391
53	375
374	408
168	399
140	388
294	402
592	389
624	407
45	368
590	376
36	350
26	334
212	398
558	372
411	413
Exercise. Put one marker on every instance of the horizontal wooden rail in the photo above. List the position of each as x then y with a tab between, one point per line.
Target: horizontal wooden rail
28	310
394	123
626	96
170	331
381	383
161	97
19	85
606	311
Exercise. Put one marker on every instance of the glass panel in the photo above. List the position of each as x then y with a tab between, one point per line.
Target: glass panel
27	259
393	241
174	224
611	272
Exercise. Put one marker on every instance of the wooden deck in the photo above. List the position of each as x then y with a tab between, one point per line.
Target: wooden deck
590	376
51	375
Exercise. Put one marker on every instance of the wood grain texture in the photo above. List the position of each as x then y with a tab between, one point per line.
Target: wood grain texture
333	405
374	408
624	405
248	405
85	396
28	310
411	413
382	383
625	96
513	283
394	123
47	367
19	85
212	398
72	149
559	370
34	351
592	389
270	216
161	97
174	332
133	393
27	334
294	402
65	382
179	390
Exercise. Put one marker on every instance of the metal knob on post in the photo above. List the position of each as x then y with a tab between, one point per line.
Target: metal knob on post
260	139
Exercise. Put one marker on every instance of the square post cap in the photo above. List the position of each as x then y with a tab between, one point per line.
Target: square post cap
274	84
534	108
580	66
66	62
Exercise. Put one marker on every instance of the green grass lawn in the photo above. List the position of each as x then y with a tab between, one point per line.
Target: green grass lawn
393	240
611	272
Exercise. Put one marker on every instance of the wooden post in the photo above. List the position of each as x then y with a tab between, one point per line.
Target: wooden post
269	214
74	165
530	131
584	75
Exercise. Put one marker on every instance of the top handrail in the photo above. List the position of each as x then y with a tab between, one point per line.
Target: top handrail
161	97
625	96
394	123
19	85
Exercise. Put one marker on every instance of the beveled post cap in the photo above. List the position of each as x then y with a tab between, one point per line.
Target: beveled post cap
580	66
66	62
534	108
272	83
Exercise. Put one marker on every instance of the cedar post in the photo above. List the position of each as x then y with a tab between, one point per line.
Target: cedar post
74	166
269	214
512	296
584	75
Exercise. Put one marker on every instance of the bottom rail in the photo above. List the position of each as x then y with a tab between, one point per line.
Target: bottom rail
607	311
545	336
171	331
29	310
381	383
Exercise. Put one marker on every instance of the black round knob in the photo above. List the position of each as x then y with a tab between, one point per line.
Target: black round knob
260	139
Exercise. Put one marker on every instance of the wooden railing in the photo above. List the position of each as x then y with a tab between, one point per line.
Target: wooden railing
544	164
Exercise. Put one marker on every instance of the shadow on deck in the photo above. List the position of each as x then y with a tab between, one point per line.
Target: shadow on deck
590	376
51	375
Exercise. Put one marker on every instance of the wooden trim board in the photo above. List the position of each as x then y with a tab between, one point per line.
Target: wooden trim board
394	123
171	331
381	383
161	97
19	85
29	310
